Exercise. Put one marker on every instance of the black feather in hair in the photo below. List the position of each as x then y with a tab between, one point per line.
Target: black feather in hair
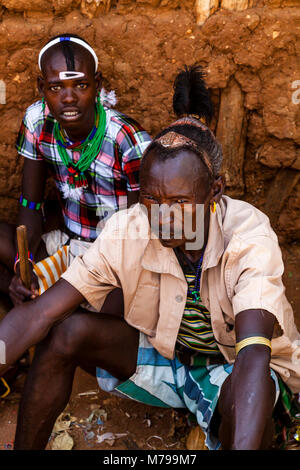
191	95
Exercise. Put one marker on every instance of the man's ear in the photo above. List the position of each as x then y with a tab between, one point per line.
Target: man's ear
41	85
218	188
98	80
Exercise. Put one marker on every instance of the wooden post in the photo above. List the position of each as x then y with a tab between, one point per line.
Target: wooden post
205	8
279	192
237	5
231	133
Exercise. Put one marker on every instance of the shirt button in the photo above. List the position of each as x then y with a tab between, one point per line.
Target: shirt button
179	298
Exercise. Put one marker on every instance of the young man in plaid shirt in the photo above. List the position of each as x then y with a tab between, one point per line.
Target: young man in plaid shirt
70	86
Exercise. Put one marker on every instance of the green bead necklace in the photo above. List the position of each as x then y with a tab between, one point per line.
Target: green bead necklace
89	148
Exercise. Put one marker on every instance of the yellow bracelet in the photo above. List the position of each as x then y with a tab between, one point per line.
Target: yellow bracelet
252	340
6	386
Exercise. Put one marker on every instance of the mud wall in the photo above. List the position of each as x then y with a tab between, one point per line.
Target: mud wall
247	47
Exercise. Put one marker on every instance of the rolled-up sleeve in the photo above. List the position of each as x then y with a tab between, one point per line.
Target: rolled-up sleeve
92	274
256	276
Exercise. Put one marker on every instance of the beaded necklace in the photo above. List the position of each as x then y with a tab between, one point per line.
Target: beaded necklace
196	292
89	148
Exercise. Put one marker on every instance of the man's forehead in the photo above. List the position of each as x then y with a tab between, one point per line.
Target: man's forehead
182	176
170	178
54	62
181	165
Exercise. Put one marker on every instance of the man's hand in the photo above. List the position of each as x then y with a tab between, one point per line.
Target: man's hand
19	293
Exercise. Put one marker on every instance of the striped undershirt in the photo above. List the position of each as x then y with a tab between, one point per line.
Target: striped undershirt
195	331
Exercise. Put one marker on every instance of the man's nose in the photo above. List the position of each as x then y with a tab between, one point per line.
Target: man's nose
164	214
69	96
170	213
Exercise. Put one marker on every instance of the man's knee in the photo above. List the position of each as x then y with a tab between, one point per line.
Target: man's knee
93	339
64	339
80	333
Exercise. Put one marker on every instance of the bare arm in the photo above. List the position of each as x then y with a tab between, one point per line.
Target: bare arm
33	186
251	387
27	324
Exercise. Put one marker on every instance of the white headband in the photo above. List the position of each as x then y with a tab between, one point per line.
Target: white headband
71	39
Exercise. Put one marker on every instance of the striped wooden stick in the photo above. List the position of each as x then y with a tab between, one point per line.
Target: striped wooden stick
24	266
23	255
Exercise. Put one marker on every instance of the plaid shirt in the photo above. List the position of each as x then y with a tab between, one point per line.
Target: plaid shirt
114	171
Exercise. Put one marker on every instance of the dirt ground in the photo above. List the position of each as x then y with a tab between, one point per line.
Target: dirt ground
91	413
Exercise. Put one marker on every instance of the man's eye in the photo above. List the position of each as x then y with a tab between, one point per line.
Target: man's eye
82	86
55	88
181	201
148	198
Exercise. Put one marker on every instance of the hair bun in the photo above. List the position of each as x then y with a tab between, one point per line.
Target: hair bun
191	95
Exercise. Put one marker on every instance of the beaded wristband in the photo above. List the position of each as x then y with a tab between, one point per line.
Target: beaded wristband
252	340
31	205
17	259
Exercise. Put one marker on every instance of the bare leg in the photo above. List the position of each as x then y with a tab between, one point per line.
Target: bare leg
83	339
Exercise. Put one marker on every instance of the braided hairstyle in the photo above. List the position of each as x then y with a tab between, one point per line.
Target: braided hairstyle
192	105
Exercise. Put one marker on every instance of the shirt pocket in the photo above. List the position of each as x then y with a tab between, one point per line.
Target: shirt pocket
105	178
144	310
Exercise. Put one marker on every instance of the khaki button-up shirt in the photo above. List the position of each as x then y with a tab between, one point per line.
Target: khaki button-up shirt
242	269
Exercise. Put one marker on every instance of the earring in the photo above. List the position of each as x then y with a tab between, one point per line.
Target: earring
43	104
213	207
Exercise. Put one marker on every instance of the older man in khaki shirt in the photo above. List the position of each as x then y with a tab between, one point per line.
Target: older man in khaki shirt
237	296
242	269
